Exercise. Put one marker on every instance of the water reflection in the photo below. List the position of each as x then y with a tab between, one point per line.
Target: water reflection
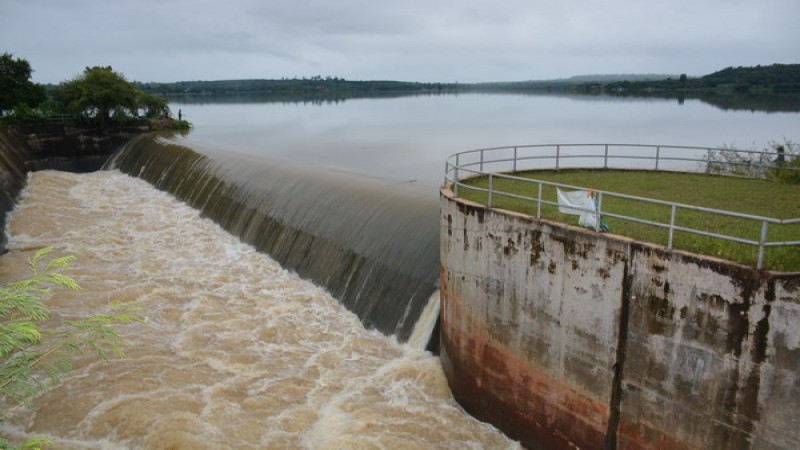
733	102
789	102
408	138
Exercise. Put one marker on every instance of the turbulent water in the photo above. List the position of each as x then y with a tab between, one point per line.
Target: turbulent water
234	351
373	244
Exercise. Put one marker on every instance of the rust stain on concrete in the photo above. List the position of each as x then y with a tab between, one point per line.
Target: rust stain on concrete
495	385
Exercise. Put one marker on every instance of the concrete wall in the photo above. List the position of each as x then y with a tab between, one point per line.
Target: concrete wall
73	149
13	173
566	338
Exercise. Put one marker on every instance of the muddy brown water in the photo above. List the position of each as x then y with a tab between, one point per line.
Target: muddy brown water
234	351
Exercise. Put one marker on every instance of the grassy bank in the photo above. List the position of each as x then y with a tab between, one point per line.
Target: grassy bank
748	196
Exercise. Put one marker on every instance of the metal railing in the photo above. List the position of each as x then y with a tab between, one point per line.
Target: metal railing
501	162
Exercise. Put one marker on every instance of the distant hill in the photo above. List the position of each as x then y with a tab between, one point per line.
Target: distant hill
609	78
783	75
776	78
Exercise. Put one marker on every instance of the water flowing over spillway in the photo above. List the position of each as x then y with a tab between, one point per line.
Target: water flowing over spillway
370	243
235	351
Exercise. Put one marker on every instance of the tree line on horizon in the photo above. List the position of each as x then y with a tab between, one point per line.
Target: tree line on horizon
315	84
776	78
326	85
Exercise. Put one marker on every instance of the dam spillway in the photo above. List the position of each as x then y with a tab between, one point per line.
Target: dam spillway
373	244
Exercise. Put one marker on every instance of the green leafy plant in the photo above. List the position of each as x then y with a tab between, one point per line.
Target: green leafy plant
32	357
787	162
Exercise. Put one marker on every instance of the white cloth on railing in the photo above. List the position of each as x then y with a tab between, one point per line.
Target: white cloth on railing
580	203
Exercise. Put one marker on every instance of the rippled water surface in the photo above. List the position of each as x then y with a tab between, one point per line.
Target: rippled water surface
235	351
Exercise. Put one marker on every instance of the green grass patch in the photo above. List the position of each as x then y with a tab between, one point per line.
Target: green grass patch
743	195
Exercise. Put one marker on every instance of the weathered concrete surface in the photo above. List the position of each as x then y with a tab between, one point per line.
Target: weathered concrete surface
73	149
565	338
13	173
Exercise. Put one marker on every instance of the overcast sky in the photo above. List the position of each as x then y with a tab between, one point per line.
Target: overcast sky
412	40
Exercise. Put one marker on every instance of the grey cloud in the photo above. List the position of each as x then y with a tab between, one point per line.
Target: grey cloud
448	40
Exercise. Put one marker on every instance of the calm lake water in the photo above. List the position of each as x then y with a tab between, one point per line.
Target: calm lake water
409	138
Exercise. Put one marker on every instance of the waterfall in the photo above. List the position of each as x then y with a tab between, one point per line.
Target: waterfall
371	243
426	325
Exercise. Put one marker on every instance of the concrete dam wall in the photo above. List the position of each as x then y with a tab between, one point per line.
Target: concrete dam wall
13	173
567	338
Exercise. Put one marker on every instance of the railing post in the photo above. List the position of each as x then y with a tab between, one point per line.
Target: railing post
605	158
515	159
671	226
455	179
761	242
597	211
658	155
539	202
489	200
481	160
708	160
558	156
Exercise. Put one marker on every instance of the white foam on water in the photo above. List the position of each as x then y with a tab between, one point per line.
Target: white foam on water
234	352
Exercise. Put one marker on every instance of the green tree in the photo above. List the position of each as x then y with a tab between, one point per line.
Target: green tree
16	88
152	105
100	95
31	357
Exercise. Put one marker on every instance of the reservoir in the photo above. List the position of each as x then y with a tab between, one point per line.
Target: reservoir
409	138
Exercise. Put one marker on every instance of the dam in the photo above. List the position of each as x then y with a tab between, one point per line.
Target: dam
557	337
350	235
